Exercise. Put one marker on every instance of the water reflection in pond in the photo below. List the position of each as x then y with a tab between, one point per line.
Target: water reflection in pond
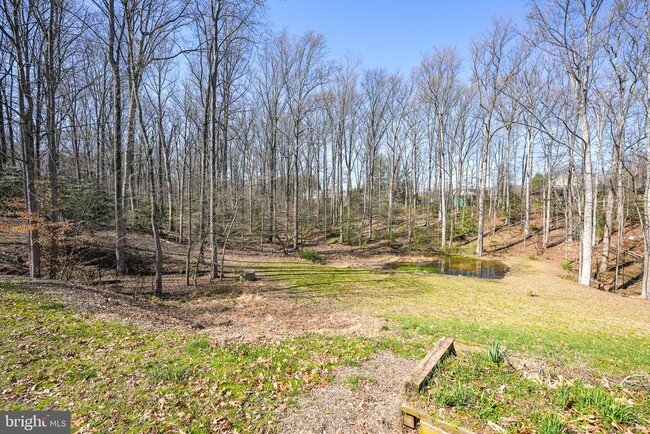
456	266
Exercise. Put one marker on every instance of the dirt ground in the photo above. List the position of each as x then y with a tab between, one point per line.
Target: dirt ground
254	315
363	399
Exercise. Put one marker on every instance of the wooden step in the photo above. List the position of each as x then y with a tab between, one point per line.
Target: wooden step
421	374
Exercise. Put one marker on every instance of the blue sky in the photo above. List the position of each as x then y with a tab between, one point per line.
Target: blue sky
392	34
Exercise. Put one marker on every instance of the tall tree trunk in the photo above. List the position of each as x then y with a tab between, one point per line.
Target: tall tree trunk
527	180
645	286
481	191
154	197
155	229
296	185
587	220
4	145
188	253
609	219
52	80
114	59
441	175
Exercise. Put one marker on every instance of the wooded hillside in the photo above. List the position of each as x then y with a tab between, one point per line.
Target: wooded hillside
194	120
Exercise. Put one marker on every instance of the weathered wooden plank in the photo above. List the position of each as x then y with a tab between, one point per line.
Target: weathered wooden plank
449	428
421	374
417	414
409	420
427	428
428	424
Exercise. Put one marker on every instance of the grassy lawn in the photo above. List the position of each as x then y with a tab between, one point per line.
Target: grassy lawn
116	377
530	311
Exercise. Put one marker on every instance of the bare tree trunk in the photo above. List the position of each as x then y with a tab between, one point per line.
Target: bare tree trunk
607	230
155	228
52	81
154	197
441	175
189	227
645	286
4	145
587	220
548	199
296	185
527	180
506	174
391	188
481	192
114	59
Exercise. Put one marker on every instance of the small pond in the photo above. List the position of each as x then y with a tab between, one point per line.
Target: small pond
456	266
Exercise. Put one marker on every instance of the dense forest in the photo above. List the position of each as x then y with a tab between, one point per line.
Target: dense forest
194	120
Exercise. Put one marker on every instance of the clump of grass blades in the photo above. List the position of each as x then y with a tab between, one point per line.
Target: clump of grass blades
495	354
456	397
551	424
606	406
567	265
564	397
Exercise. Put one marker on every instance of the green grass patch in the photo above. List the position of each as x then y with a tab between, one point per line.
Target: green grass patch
528	312
116	378
552	424
566	265
472	391
355	381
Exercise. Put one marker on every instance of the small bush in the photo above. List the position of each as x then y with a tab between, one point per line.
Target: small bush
11	186
567	265
143	215
311	255
451	250
495	354
84	202
465	228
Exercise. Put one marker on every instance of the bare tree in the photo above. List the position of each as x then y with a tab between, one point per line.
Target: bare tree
304	73
439	87
493	67
17	27
376	100
645	287
569	30
626	53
